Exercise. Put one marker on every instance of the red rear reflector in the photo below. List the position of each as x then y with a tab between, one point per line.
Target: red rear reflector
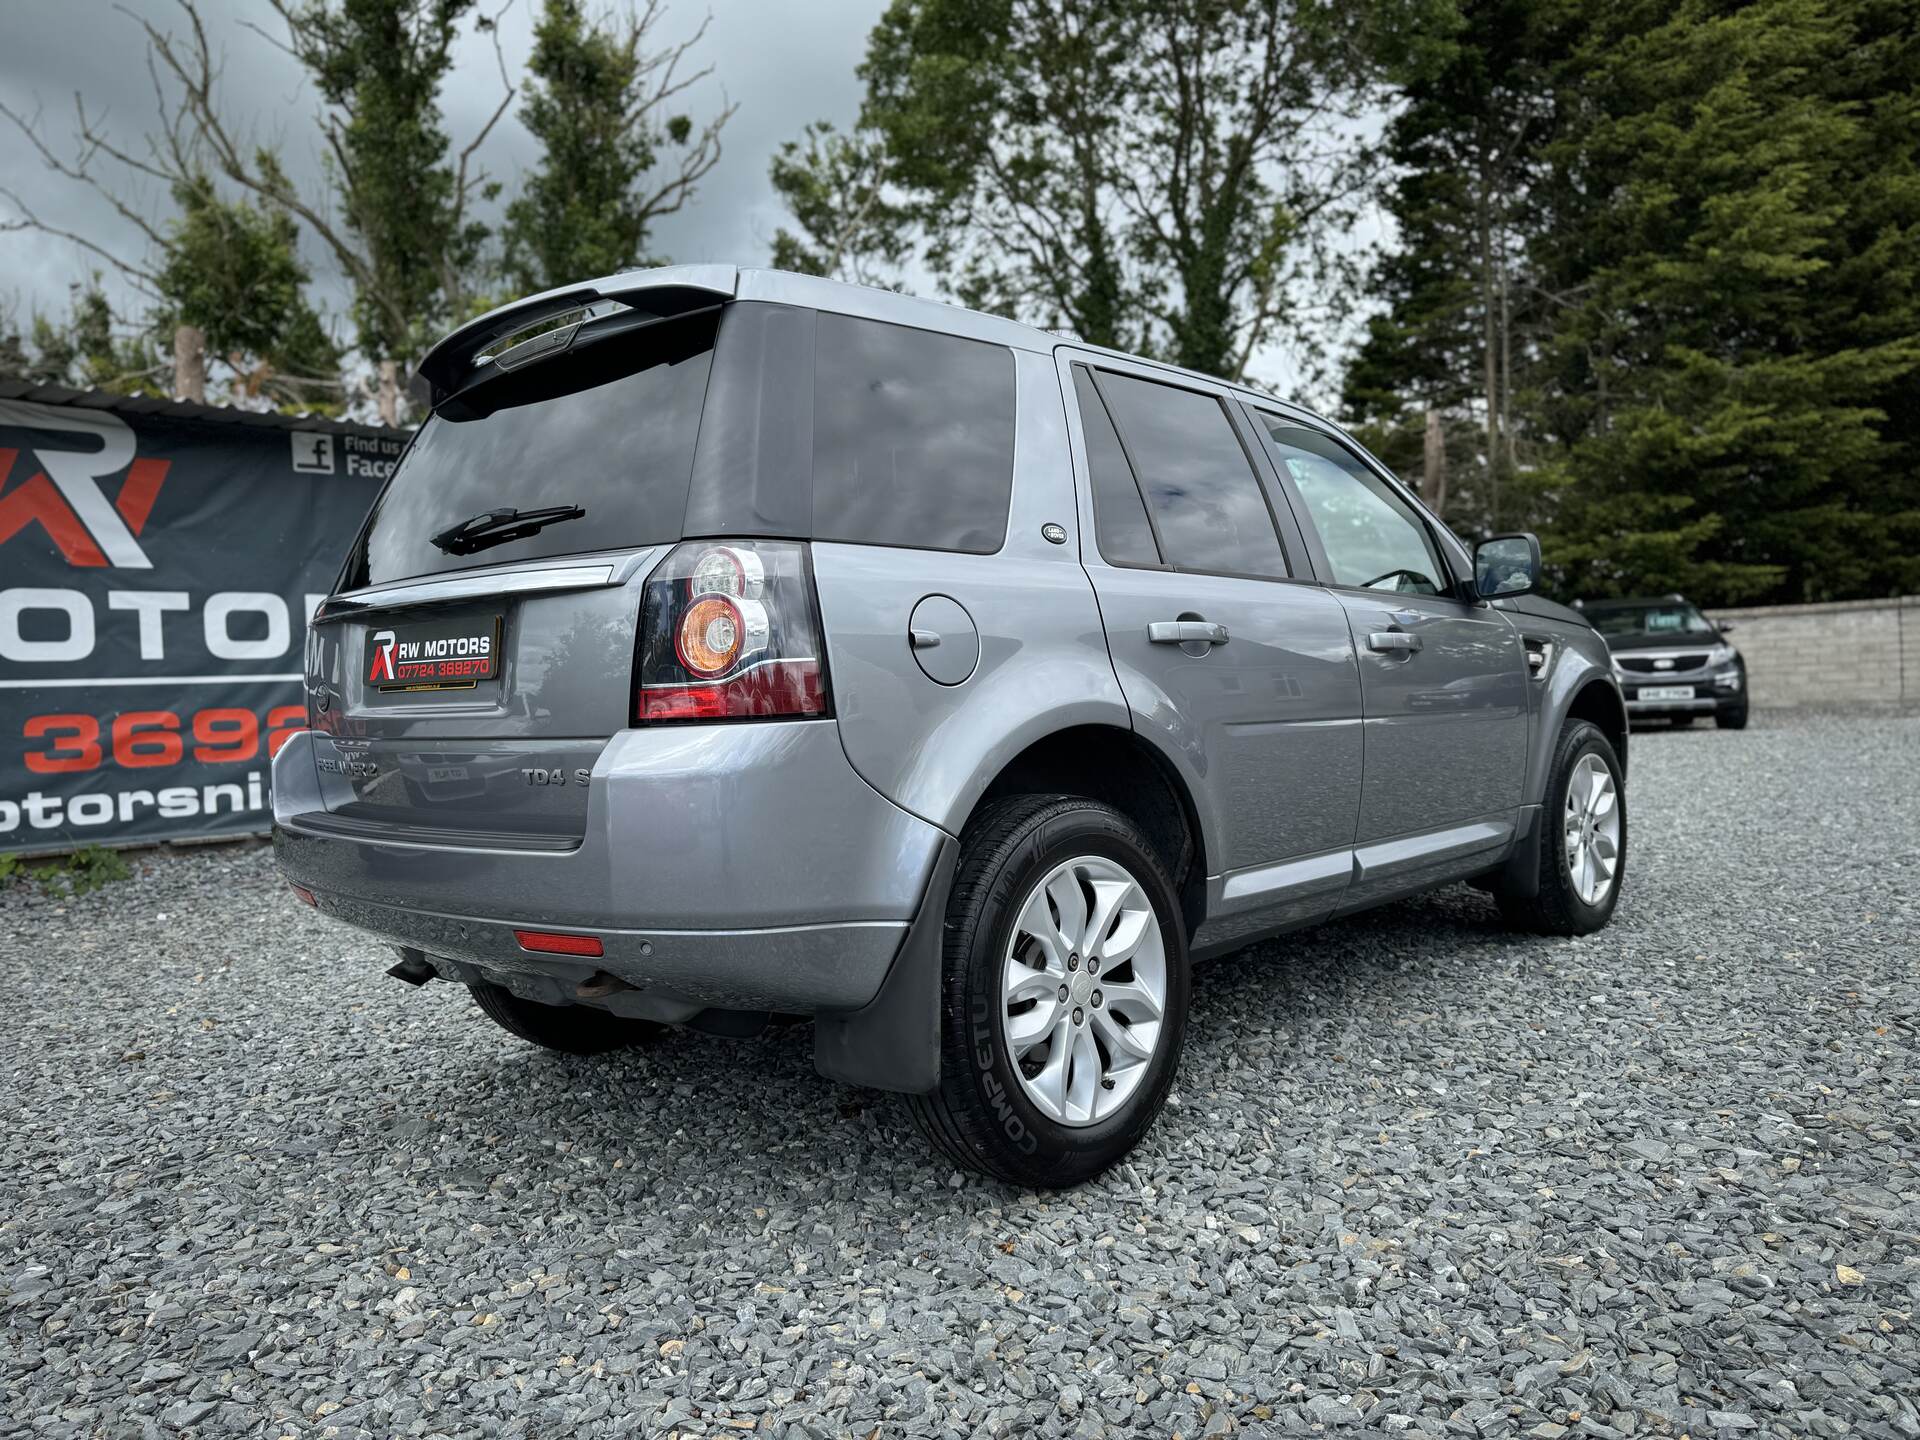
547	942
305	894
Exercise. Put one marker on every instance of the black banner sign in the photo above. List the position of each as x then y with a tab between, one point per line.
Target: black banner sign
156	574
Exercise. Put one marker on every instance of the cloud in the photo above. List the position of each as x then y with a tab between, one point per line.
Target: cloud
785	64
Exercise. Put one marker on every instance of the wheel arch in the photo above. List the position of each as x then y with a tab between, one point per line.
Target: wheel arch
1598	702
893	1043
1578	686
1124	769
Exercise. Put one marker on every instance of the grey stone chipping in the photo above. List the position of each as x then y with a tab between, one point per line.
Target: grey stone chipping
1421	1177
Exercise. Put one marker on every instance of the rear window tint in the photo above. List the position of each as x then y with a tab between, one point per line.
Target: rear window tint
912	437
609	427
756	419
1119	514
1207	506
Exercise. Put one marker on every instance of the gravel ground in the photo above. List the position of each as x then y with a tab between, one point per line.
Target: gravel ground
1421	1177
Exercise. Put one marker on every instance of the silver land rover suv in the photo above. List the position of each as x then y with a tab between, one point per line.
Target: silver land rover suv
732	646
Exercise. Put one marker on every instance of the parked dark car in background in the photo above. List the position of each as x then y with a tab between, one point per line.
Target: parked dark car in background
1672	662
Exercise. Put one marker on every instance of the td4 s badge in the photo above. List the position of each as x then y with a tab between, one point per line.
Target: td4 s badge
538	776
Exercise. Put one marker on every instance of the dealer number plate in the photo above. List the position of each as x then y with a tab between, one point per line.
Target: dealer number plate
433	655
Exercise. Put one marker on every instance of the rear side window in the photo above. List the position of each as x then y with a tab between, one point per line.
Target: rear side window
912	437
608	429
1119	514
1208	508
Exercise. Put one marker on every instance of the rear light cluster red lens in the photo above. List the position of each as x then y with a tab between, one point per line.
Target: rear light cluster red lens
729	630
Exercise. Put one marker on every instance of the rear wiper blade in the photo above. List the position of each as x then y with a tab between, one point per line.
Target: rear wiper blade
497	527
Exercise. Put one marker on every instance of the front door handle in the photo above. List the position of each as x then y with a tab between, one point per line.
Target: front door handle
1186	632
1393	641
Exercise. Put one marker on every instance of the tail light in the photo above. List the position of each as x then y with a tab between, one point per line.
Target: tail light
729	631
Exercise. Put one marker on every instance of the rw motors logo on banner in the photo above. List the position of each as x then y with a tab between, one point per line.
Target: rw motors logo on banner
155	579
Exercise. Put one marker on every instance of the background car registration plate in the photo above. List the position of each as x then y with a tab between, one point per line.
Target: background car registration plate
434	655
1667	692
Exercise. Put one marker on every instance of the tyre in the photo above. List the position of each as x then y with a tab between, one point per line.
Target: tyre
1064	994
1734	717
1582	835
570	1029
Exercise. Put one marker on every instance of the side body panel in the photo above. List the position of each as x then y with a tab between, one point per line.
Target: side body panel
1578	660
1447	723
1264	730
933	748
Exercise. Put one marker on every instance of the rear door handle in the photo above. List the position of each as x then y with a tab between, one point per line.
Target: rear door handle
1392	641
1186	632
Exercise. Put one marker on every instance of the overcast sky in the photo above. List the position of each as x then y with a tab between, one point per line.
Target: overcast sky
785	63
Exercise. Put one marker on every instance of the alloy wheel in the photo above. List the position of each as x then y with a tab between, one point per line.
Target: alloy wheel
1592	829
1084	987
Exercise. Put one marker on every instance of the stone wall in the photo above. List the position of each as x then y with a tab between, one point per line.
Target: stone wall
1848	653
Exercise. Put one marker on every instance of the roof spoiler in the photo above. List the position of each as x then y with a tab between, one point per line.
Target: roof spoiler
461	359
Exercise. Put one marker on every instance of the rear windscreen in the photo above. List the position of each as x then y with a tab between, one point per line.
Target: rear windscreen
607	429
756	420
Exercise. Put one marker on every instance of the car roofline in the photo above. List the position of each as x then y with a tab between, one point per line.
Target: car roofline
439	371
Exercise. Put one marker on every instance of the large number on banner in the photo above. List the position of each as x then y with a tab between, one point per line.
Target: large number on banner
143	739
225	736
149	739
75	743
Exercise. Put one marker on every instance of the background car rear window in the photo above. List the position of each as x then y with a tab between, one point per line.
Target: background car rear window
1207	506
912	437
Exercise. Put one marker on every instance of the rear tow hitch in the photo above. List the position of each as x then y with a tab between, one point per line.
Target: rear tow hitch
413	968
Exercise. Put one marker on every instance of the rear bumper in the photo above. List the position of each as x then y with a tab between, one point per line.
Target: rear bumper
745	866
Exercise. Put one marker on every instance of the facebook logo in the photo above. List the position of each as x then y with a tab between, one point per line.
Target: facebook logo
312	454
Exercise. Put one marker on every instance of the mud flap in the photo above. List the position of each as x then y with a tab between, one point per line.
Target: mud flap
893	1042
1520	876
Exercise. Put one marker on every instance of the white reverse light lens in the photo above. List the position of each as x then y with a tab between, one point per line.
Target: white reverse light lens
724	570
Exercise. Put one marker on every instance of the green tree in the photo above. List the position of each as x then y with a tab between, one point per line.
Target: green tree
233	271
836	189
602	104
1002	126
1158	175
406	234
90	348
1461	308
1736	216
398	212
1244	162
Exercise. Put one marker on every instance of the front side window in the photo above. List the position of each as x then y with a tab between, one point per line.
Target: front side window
1373	538
1208	509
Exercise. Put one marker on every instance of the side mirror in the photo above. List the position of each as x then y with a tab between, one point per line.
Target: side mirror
1506	565
1725	627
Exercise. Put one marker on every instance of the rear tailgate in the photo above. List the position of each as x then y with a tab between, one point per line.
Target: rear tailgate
471	709
480	652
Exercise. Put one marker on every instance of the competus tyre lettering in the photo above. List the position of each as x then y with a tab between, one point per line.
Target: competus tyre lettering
1053	895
